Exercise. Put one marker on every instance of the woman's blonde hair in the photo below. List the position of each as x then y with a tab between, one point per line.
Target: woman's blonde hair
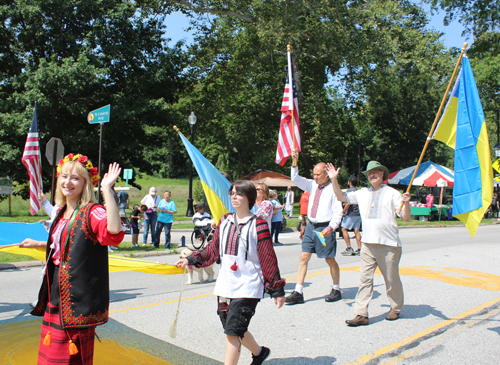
265	190
87	192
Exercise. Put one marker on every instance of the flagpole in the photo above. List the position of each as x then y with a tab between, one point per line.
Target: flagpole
40	159
294	160
435	120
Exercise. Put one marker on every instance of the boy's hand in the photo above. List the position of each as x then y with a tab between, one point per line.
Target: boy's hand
279	301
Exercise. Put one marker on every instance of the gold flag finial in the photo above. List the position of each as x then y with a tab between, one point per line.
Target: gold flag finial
289	48
464	47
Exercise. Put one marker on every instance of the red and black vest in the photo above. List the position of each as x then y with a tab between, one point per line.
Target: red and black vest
83	276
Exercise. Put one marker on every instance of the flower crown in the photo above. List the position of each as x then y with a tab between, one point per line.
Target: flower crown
85	162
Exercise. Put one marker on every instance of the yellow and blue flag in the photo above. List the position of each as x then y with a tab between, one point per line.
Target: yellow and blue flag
15	233
215	185
463	128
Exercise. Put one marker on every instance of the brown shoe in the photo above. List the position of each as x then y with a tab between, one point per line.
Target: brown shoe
357	321
392	316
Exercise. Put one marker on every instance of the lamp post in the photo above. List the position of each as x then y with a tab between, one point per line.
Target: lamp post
190	213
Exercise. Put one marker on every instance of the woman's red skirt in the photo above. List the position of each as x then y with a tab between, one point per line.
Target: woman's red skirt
58	351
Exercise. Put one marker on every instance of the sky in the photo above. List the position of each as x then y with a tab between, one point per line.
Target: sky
177	23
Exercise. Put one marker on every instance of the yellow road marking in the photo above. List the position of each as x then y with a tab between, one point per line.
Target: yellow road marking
421	334
155	304
432	342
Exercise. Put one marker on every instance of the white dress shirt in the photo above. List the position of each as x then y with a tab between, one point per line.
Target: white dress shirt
329	208
378	211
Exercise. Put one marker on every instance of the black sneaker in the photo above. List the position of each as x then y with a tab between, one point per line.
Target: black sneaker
334	296
295	298
259	359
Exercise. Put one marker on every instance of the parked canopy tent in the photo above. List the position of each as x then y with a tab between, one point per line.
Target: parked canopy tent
429	174
270	178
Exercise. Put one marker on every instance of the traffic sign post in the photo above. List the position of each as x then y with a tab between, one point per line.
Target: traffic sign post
54	151
100	116
127	175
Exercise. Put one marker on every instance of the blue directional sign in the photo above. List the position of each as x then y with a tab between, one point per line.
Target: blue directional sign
127	175
100	115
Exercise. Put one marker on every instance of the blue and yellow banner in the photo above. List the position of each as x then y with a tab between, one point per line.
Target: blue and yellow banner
215	185
463	128
15	233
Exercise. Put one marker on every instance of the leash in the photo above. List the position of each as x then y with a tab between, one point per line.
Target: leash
173	328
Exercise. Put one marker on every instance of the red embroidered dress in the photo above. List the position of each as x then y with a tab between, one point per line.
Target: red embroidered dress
76	284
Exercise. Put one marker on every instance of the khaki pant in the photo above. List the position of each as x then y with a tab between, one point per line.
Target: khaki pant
387	259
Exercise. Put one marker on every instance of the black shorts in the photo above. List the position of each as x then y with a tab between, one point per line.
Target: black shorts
135	228
236	318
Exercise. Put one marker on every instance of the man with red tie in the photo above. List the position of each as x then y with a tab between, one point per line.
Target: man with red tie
324	214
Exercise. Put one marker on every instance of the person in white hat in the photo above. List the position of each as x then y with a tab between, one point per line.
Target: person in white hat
381	247
150	216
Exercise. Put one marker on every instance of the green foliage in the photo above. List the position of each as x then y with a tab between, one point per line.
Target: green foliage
76	56
389	73
479	16
197	192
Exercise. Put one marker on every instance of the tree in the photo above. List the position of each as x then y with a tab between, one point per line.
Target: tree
239	64
76	56
478	16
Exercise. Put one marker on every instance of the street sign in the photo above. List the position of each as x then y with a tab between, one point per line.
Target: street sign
54	147
496	165
127	175
100	115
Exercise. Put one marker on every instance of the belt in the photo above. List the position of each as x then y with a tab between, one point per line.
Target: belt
319	224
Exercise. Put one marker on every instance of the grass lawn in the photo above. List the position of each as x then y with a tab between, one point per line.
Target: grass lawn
9	257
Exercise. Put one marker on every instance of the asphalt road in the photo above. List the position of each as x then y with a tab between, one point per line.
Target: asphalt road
451	314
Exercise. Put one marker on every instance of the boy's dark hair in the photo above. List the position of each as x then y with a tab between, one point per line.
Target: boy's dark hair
353	180
144	207
246	188
199	206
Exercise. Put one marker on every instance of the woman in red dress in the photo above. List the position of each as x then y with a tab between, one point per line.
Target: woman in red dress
74	296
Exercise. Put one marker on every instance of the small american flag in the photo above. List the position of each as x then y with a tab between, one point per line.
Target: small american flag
31	159
289	126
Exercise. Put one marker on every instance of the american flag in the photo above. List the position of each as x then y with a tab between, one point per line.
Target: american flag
289	126
32	160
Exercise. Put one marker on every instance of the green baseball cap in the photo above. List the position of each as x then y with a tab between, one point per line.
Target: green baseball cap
376	165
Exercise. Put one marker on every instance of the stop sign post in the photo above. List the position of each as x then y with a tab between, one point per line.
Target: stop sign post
54	151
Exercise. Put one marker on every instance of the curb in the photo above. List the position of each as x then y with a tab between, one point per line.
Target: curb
20	265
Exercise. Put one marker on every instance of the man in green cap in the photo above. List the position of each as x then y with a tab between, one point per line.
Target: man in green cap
378	206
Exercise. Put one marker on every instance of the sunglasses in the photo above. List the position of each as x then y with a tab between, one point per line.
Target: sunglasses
237	193
258	189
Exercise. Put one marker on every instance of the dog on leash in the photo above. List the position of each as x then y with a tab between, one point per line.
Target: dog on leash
190	268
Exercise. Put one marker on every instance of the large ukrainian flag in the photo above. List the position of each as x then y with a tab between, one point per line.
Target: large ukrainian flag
463	128
215	185
15	233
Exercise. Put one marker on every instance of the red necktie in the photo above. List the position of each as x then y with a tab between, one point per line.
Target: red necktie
317	195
